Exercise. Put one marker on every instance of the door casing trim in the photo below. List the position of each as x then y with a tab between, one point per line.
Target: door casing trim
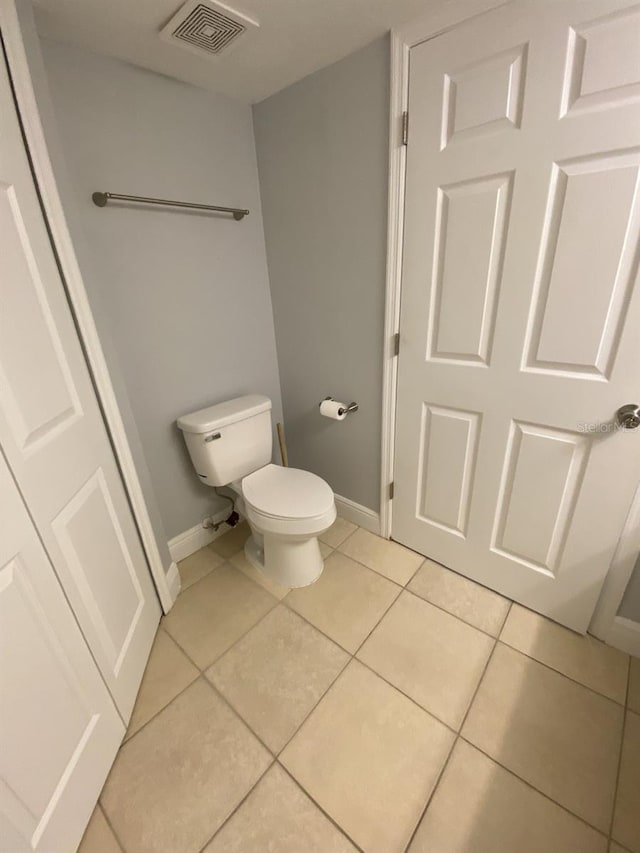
606	624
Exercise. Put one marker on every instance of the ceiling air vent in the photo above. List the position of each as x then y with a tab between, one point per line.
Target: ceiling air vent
208	28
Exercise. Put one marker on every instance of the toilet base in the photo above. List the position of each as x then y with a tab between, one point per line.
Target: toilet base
288	562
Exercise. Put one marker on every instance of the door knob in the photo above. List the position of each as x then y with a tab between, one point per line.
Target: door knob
628	416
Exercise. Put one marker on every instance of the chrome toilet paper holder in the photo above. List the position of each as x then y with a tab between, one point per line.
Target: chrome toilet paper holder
352	407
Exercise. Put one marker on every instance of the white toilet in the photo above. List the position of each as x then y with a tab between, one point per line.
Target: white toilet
230	445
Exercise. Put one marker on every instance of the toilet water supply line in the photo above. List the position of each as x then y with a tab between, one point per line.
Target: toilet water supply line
283	447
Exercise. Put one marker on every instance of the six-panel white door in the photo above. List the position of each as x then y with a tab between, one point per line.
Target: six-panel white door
55	440
59	729
520	317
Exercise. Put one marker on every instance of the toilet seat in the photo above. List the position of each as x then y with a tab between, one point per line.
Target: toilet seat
288	500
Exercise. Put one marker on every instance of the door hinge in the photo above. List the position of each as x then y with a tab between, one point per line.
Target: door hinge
396	344
392	490
405	128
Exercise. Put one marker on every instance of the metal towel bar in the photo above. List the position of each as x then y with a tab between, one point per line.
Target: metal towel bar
101	199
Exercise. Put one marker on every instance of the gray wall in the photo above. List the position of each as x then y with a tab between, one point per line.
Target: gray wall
81	249
322	156
183	298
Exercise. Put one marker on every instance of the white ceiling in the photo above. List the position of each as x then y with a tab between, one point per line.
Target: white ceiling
295	38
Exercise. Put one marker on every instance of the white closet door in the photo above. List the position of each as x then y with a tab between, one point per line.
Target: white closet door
59	729
520	320
55	440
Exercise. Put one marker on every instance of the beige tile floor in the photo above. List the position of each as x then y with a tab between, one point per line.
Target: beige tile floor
392	706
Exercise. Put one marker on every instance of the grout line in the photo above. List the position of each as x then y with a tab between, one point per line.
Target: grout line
376	571
506	614
457	733
511	772
201	672
276	602
504	767
129	735
244	634
481	679
351	657
455	616
431	714
184	589
495	638
619	767
188	657
494	760
128	740
334	641
455	741
411	592
406	586
563	674
315	705
109	824
223	698
238	806
340	829
387	609
436	785
197	580
246	723
238	714
628	690
348	536
159	628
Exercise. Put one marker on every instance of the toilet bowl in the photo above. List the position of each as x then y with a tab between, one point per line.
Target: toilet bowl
289	509
230	444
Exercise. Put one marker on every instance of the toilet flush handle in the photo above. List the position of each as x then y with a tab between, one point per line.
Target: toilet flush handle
213	436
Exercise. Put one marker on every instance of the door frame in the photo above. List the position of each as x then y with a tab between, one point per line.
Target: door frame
21	43
605	622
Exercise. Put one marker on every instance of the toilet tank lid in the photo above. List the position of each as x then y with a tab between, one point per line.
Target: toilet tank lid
222	414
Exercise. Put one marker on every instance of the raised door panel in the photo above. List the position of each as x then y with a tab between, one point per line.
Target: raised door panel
588	265
484	96
470	236
100	568
603	63
543	472
448	449
29	342
59	729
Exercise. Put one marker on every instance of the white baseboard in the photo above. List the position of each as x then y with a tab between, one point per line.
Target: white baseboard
358	514
196	537
184	544
624	634
173	582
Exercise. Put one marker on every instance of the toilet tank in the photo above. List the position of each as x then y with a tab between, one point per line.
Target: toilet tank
229	440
